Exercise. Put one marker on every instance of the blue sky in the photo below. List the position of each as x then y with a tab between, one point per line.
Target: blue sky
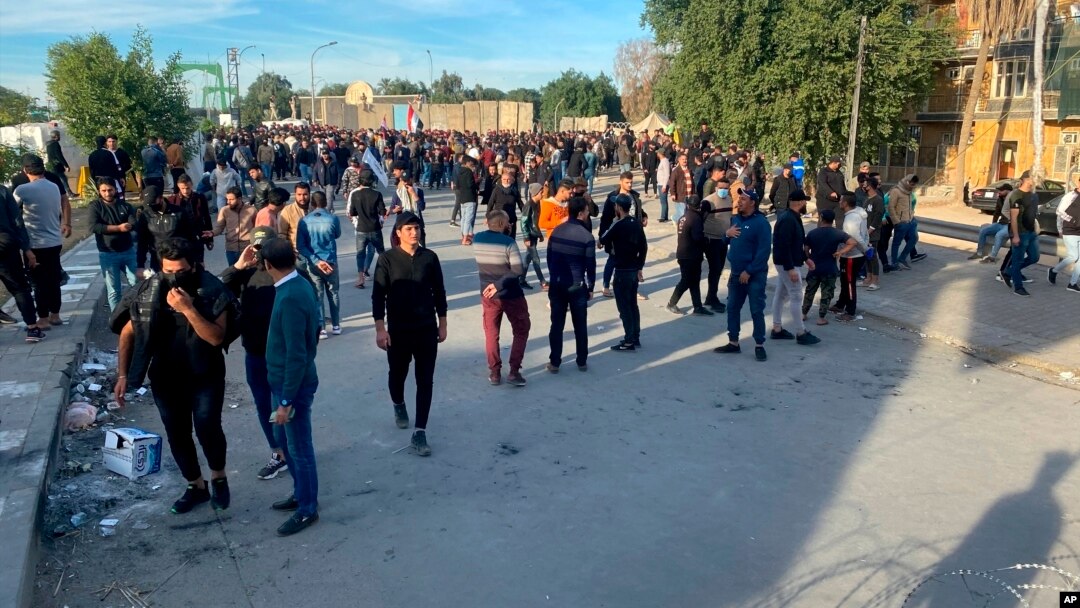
503	44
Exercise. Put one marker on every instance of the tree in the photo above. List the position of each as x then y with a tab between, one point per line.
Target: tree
482	93
100	93
638	64
14	107
526	96
336	89
779	74
576	94
448	88
399	86
1042	10
992	19
254	106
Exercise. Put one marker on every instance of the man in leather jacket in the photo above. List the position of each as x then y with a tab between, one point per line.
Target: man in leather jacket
156	221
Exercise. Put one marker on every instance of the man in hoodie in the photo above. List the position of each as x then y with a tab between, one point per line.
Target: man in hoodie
789	254
751	243
783	186
875	212
902	217
830	185
689	252
717	208
222	179
852	261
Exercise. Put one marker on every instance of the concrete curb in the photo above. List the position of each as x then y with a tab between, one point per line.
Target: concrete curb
22	501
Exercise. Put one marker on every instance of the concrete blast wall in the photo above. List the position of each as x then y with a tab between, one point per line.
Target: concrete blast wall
476	116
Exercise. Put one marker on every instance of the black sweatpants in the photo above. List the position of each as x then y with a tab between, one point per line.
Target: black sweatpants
46	279
13	277
419	345
183	403
849	276
716	254
690	280
576	299
650	178
626	290
884	238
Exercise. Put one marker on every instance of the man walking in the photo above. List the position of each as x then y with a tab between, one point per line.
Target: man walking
689	252
1024	228
608	215
174	327
571	259
291	214
681	185
626	245
235	220
54	154
174	154
316	242
783	186
789	254
221	181
903	219
14	248
261	186
112	221
751	243
325	176
409	286
367	210
48	223
498	261
157	221
291	344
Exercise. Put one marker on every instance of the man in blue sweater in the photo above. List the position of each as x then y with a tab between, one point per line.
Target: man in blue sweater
291	345
751	243
316	242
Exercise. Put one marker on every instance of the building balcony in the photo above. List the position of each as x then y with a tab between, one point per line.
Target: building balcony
942	108
968	45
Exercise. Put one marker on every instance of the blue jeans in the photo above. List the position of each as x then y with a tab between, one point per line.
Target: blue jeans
1072	256
590	176
562	167
245	178
296	443
305	173
680	210
232	256
114	266
907	232
624	167
663	204
468	218
255	367
367	245
1023	255
556	173
267	169
754	289
992	230
328	288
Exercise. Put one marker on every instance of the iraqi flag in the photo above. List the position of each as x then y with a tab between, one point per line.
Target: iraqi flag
415	124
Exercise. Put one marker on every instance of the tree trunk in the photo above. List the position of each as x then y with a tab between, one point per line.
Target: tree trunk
1037	124
969	114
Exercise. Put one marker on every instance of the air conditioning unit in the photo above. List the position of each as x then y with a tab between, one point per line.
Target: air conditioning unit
1070	138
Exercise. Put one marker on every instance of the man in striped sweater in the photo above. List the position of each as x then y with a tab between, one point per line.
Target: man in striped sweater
498	261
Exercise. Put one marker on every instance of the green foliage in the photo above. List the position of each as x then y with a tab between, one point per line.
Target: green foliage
779	74
99	92
336	89
14	107
11	159
482	93
399	86
448	88
584	96
255	105
526	96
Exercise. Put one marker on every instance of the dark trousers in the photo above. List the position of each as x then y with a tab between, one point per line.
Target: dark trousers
154	181
183	403
532	258
827	283
455	213
576	299
690	280
849	276
716	255
419	346
46	279
883	242
517	312
176	173
609	269
259	383
738	293
61	172
650	178
626	290
13	277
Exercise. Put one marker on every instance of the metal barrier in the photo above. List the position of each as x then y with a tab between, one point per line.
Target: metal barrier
1048	245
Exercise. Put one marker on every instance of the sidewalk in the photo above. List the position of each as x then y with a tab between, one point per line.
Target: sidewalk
958	301
34	384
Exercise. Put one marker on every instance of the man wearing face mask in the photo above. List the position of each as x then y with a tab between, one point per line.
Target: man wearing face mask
716	208
174	328
158	220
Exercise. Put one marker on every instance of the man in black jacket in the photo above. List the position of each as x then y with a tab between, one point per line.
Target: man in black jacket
506	197
830	185
575	166
14	245
690	252
649	162
783	186
626	245
157	221
367	211
789	255
112	221
607	216
59	165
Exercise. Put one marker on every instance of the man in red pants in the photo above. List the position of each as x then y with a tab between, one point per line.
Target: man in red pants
498	260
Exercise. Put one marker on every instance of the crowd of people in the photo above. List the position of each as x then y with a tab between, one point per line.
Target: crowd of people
536	190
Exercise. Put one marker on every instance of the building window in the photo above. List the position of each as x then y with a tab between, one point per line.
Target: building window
1011	78
953	73
915	132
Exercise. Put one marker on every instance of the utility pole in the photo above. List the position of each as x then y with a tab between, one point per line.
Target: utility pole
854	126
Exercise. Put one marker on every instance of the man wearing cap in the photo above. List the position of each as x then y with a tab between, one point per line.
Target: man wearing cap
48	223
367	211
782	187
830	185
498	262
408	304
625	243
14	247
254	287
789	255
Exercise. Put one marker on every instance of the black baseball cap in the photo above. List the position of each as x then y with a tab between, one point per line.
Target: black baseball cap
406	218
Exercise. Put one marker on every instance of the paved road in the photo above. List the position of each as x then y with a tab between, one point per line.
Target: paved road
837	475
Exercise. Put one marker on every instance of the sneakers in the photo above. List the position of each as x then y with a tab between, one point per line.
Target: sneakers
988	260
975	256
272	468
34	335
918	257
336	330
807	339
6	319
836	309
701	311
525	285
220	497
873	287
1073	287
1026	279
323	335
419	443
289	504
551	368
1020	291
845	317
673	309
608	293
495	378
296	523
1051	276
516	379
759	353
783	334
193	497
728	348
401	416
584	367
623	347
904	265
1005	278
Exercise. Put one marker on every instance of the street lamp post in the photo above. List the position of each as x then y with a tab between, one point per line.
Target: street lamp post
313	77
239	57
555	128
431	70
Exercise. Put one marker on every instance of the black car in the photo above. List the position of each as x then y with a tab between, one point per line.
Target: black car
985	198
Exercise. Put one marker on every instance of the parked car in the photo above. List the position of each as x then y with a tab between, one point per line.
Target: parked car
985	198
1048	216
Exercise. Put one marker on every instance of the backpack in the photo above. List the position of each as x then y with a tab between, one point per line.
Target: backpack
241	157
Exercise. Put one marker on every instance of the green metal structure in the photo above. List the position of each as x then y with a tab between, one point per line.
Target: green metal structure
220	90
